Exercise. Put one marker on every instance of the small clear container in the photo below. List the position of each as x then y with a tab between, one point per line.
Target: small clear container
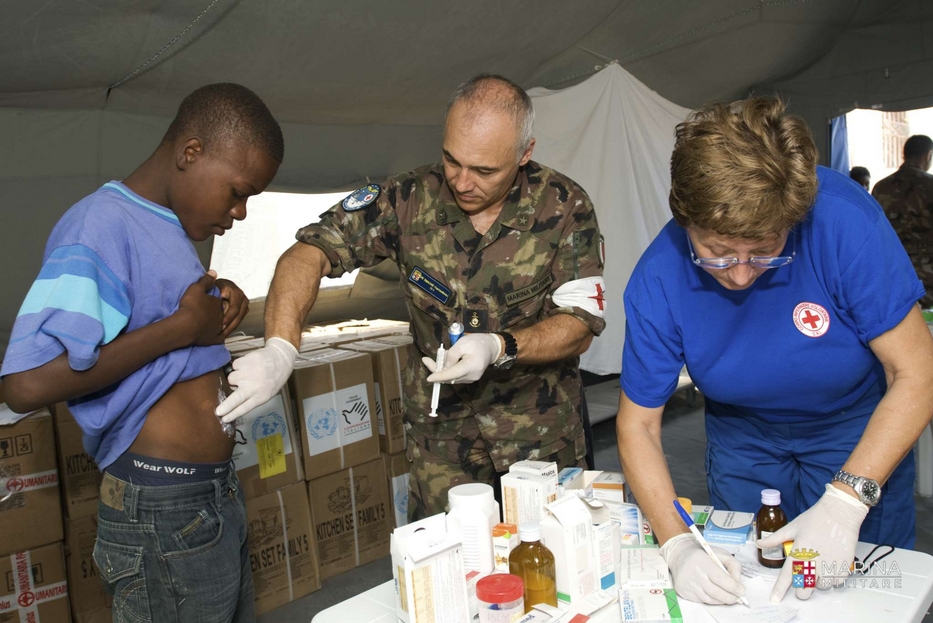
501	598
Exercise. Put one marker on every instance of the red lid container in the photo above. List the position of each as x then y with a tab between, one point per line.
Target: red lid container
500	588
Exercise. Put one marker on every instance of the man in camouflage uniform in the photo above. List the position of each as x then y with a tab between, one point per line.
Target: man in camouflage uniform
907	199
490	239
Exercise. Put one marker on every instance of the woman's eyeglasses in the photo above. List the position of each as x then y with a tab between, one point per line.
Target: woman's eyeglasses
758	261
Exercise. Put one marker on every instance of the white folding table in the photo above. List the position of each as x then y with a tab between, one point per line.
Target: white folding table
905	601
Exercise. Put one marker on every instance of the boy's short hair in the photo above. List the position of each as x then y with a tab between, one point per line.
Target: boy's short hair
745	170
227	114
856	173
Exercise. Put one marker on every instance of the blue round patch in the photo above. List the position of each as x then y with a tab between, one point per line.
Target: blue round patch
322	423
267	425
361	197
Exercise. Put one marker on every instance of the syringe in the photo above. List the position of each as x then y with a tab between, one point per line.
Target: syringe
436	391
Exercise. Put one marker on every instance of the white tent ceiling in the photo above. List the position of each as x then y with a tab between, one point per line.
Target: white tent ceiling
88	86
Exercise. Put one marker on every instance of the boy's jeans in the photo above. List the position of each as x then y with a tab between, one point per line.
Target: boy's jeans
175	554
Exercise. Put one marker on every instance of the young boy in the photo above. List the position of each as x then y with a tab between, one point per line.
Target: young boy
123	323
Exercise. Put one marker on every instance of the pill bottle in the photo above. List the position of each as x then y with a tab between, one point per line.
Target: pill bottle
501	598
473	514
534	564
771	518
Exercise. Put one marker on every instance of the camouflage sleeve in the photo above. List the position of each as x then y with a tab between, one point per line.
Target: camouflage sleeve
359	231
580	259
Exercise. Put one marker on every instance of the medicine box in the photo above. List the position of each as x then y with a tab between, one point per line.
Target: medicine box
540	468
504	540
728	527
643	567
569	479
645	605
525	496
427	568
568	533
609	486
701	515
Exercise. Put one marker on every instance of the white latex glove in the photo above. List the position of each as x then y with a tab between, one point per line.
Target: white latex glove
467	359
697	577
829	527
257	377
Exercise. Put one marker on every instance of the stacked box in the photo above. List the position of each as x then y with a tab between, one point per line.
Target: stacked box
90	602
282	549
31	513
352	517
270	459
79	474
334	395
389	354
397	468
33	585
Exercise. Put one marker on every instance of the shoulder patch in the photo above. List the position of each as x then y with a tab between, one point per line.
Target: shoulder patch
361	197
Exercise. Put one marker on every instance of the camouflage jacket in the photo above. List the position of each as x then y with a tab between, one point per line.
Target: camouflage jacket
907	199
545	236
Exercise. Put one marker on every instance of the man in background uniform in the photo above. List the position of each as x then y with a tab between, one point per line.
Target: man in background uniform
490	239
907	199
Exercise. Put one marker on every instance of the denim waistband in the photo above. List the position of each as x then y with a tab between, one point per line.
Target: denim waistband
122	495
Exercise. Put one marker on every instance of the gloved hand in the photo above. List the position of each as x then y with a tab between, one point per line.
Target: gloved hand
467	359
697	577
257	376
830	527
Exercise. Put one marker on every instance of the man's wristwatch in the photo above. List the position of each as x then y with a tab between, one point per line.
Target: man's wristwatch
507	360
868	490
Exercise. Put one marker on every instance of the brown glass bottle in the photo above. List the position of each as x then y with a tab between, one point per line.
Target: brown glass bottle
534	564
771	519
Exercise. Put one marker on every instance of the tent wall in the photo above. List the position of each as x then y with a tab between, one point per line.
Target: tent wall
54	158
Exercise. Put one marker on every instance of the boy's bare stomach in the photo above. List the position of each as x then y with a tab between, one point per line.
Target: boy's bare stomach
182	426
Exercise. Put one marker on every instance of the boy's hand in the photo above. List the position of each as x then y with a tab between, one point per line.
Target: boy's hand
202	312
236	305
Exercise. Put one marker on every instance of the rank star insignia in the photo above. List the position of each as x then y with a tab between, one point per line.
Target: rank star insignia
522	220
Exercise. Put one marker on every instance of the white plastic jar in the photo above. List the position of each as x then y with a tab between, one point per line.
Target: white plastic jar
473	514
501	598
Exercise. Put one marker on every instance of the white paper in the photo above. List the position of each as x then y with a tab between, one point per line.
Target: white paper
330	428
763	614
264	421
643	567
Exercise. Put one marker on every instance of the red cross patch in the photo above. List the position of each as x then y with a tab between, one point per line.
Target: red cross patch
598	297
811	319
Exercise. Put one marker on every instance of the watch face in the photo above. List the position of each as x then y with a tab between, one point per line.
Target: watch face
870	490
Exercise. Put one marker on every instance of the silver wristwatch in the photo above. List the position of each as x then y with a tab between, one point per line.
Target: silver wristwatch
868	490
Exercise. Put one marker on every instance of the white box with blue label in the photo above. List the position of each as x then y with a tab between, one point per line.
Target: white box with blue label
729	527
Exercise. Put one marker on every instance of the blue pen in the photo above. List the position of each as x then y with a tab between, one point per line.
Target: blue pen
699	537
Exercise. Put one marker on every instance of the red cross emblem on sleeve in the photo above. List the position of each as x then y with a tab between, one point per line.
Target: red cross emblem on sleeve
811	319
598	297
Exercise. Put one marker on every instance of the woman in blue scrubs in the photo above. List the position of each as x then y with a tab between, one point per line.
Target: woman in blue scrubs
784	290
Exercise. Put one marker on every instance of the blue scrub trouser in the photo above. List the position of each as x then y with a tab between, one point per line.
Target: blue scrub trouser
745	455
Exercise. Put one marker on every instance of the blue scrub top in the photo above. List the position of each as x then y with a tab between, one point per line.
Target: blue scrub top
793	347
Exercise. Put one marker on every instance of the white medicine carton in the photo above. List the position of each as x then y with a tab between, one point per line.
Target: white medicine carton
606	545
541	468
570	481
568	533
609	486
525	496
427	568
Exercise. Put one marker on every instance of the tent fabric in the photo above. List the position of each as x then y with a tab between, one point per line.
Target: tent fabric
614	136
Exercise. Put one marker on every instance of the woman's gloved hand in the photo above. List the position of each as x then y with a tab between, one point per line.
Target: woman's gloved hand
697	577
830	528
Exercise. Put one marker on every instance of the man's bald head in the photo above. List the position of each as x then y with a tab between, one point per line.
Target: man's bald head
492	93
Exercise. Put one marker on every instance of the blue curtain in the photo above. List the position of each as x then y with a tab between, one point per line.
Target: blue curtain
839	145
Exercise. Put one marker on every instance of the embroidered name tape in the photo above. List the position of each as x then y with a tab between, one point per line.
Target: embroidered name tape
361	197
429	284
517	296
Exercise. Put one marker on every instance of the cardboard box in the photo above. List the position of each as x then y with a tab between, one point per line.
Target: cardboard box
33	586
282	550
397	470
504	540
644	605
525	496
32	514
270	459
427	567
334	393
568	533
352	517
80	477
609	486
389	357
729	527
90	602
